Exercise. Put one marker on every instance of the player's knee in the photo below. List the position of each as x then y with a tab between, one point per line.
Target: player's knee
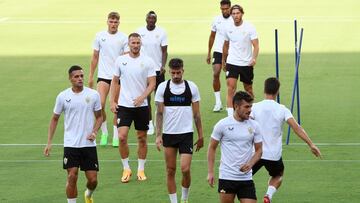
92	183
72	178
142	140
122	139
185	170
170	171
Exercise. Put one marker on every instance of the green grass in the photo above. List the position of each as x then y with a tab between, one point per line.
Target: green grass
39	41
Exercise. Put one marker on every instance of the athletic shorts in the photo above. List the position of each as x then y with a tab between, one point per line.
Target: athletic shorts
217	58
184	142
242	188
246	73
275	168
159	79
85	158
104	80
140	116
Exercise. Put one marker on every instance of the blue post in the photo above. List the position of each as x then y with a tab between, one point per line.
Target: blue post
295	80
277	61
297	75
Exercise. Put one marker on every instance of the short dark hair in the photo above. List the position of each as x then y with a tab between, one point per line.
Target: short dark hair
114	14
271	86
151	13
74	68
237	6
176	63
134	34
240	96
225	2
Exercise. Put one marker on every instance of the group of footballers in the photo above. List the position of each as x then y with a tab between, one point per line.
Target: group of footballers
131	67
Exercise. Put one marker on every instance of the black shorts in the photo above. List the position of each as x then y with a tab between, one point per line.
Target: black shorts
140	116
104	80
242	188
159	79
275	168
85	158
217	58
184	142
246	73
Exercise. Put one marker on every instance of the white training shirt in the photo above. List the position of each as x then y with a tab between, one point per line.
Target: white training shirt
133	73
240	45
152	41
271	117
219	25
237	142
79	116
177	119
110	46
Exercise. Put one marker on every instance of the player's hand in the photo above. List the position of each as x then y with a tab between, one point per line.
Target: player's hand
253	62
316	151
199	143
91	82
208	59
91	137
162	71
159	142
223	65
113	107
211	179
138	101
245	168
47	150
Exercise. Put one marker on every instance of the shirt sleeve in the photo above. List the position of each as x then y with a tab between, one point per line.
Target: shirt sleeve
213	25
96	43
59	105
195	92
217	133
159	96
253	33
117	71
97	103
287	113
257	133
164	40
151	69
226	36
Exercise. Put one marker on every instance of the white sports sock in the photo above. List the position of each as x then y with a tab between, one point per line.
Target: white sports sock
125	163
230	111
141	164
270	191
72	200
173	198
115	133
88	192
104	129
184	193
217	98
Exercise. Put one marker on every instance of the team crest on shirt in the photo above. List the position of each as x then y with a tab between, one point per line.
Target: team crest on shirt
124	64
67	100
142	65
65	160
231	128
143	35
157	36
103	39
87	99
251	131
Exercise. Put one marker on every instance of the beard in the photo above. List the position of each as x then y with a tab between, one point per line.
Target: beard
226	15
